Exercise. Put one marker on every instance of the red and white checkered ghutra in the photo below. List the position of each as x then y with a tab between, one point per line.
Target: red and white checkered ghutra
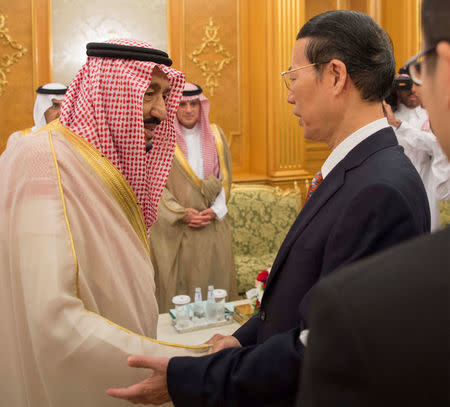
104	105
209	151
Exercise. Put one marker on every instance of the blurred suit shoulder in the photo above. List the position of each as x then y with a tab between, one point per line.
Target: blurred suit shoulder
379	330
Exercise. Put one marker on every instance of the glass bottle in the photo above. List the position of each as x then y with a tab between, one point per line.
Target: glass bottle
181	310
211	305
199	308
220	295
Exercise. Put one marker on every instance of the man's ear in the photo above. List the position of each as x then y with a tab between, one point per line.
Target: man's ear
443	51
338	75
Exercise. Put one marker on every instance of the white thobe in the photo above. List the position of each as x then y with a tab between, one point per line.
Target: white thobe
424	151
415	117
193	141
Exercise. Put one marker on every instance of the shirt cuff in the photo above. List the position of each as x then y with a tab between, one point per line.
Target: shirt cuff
219	206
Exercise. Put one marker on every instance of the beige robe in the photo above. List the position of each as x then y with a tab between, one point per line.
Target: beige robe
12	139
76	282
183	257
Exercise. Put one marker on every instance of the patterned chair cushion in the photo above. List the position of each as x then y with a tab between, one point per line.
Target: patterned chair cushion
260	218
248	267
444	210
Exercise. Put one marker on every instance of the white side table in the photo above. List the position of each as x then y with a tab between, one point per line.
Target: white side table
166	331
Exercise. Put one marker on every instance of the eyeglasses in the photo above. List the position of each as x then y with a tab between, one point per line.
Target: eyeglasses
414	65
286	74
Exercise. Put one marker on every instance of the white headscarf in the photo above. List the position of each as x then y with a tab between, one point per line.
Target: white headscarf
44	101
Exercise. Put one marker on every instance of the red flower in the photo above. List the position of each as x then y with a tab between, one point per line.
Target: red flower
258	304
262	276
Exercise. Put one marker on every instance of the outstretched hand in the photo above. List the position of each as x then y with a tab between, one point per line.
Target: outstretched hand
220	342
152	390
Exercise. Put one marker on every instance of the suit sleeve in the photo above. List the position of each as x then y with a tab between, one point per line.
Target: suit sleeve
378	217
333	369
250	376
247	333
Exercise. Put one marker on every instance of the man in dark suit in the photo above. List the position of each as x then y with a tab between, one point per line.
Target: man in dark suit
367	197
379	329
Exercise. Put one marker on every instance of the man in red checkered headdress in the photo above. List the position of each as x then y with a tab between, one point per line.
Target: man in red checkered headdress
78	197
191	240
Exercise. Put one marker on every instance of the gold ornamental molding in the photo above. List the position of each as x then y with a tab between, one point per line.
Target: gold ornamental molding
211	57
8	60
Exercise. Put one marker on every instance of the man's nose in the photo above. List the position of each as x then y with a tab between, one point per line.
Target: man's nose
159	109
290	97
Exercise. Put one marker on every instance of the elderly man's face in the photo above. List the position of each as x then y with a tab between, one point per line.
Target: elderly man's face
188	113
154	108
53	111
310	95
436	93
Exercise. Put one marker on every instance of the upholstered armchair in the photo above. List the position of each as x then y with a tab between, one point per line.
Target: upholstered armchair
444	210
260	219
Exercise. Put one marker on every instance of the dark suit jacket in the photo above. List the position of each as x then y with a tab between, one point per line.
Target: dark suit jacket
372	199
380	331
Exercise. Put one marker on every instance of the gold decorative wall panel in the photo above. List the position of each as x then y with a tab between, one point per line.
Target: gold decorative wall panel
211	57
373	8
402	22
266	141
41	28
204	44
285	135
7	60
27	23
16	101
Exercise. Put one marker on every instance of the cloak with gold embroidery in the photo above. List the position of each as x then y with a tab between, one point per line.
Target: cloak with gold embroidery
78	292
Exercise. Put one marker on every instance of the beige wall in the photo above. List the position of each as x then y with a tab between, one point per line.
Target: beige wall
77	22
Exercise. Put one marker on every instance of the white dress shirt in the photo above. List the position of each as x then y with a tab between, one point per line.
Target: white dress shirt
195	160
424	151
348	144
415	117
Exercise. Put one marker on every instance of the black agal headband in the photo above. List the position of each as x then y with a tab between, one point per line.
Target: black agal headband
193	92
43	91
107	50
